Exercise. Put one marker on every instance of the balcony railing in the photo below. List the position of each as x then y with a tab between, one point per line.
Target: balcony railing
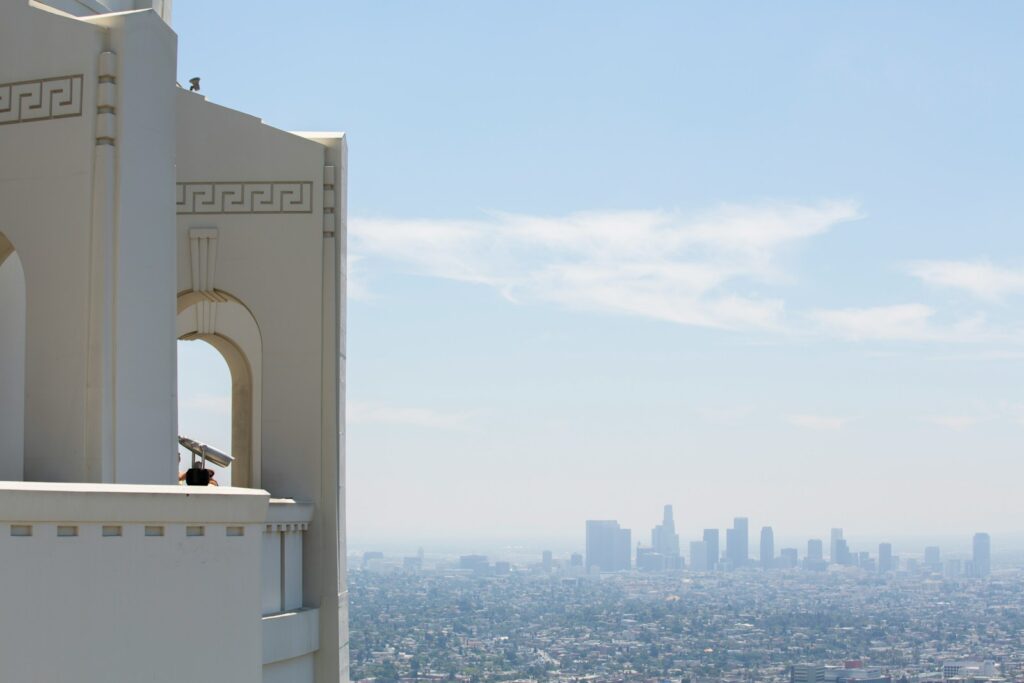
291	632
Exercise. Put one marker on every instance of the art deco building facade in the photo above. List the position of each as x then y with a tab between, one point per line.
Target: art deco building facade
133	214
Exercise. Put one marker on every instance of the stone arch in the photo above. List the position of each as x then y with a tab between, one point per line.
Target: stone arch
6	248
13	309
222	321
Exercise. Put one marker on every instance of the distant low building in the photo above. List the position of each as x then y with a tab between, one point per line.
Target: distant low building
807	673
952	569
371	556
969	669
474	563
699	556
650	560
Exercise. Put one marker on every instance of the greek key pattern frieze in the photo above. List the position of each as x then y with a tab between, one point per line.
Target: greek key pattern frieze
245	197
41	100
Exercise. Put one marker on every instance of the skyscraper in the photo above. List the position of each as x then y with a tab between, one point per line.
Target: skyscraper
608	546
885	558
623	549
841	553
982	555
546	562
835	536
730	549
767	547
665	540
711	545
932	559
737	541
815	560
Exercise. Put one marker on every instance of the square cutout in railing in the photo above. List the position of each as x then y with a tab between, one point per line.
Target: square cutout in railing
195	531
236	531
154	531
111	530
67	531
21	530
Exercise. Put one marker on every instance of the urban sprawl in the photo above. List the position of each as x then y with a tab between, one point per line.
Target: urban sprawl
611	615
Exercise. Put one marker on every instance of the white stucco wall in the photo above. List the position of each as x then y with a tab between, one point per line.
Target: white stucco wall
45	205
47	210
89	197
145	425
281	261
130	607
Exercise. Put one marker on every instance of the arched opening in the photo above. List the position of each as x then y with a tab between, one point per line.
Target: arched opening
12	363
227	384
204	403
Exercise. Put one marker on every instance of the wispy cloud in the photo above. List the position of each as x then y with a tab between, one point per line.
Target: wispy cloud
904	321
355	281
693	270
819	422
979	278
358	412
901	322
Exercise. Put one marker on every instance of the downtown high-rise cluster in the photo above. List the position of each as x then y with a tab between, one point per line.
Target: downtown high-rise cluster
609	548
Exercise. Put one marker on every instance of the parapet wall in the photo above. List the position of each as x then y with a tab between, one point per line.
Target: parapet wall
125	583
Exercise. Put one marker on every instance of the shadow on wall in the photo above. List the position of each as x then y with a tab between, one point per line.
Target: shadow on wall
12	363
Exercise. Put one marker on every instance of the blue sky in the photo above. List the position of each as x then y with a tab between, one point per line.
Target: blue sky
747	258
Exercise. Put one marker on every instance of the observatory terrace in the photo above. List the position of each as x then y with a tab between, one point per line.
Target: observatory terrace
136	216
150	562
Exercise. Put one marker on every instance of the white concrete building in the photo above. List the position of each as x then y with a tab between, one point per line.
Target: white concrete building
133	214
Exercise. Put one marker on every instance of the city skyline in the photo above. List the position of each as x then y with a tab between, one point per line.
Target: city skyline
605	538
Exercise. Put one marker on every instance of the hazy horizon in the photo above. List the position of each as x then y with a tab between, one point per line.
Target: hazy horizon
602	258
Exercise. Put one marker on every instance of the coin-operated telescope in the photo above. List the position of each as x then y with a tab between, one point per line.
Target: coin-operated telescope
198	475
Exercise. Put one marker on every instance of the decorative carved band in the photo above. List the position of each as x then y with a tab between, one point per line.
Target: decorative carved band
279	196
40	100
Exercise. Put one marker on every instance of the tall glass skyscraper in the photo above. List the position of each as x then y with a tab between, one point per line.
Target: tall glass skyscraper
738	542
608	545
767	547
885	558
664	538
982	555
711	546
